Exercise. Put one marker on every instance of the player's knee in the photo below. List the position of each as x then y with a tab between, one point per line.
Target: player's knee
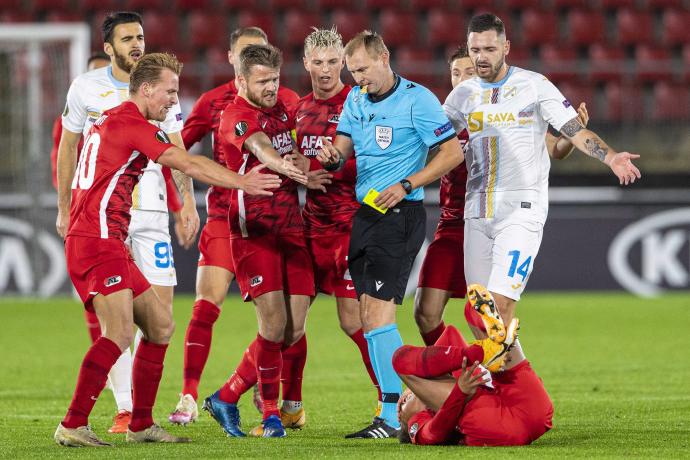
293	336
123	339
426	320
350	325
400	361
162	331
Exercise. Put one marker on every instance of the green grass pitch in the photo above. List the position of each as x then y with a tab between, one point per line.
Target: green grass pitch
617	369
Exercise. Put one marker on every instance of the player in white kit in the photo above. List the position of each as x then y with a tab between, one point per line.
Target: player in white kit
506	111
90	94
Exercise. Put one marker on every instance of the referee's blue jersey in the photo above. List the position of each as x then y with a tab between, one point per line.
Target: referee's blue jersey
392	133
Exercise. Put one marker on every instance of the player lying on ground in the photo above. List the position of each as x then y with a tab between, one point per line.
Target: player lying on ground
116	149
452	400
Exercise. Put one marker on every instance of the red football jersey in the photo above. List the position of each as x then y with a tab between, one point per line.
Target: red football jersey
452	190
252	216
115	152
330	212
204	119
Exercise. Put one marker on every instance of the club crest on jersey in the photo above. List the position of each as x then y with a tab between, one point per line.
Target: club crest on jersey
334	118
112	280
476	121
413	429
283	117
241	128
256	281
162	137
384	136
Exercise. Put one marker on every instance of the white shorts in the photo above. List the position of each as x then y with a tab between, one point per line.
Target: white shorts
149	238
500	253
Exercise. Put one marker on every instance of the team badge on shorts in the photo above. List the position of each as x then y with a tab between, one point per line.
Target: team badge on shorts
241	128
162	137
256	281
384	136
112	281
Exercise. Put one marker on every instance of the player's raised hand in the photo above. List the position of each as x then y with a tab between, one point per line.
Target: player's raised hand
318	179
582	114
61	223
469	381
288	168
622	166
391	196
329	155
257	183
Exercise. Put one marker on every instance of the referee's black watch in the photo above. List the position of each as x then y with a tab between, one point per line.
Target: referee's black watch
406	185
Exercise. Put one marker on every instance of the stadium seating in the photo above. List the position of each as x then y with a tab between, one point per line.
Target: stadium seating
186	5
606	62
537	27
671	101
686	62
332	4
54	5
298	25
292	4
675	27
349	23
91	5
398	28
381	4
585	27
622	103
633	27
445	27
424	5
247	18
207	29
139	5
160	27
416	64
652	63
559	63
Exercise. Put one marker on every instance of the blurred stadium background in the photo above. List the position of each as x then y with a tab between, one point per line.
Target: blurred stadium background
629	60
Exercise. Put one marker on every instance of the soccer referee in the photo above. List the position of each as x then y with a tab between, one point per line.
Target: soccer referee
391	123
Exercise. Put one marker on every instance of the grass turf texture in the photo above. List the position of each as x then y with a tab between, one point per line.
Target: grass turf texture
617	369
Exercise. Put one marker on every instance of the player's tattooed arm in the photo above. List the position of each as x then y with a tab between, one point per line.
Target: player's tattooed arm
571	128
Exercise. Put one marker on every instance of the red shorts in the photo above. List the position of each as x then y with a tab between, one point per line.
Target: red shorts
101	266
443	267
273	263
214	245
329	258
517	413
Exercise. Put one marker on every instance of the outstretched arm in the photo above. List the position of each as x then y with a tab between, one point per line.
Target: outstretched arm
262	148
334	154
590	143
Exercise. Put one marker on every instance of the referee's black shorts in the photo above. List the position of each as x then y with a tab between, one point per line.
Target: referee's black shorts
383	248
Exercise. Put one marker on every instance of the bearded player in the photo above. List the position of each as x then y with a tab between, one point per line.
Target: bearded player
215	271
116	150
89	96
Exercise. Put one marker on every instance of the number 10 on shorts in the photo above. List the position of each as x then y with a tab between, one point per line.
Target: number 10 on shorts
516	267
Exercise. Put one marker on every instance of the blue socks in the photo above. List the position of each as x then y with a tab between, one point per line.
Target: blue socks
382	343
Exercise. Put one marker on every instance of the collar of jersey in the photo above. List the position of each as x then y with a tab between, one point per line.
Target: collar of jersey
116	83
376	99
499	83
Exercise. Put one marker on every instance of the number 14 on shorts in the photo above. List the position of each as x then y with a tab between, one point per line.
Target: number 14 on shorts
518	267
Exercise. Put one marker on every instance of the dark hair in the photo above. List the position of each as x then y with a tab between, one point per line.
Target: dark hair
115	19
252	31
459	53
148	69
265	55
404	434
484	22
97	55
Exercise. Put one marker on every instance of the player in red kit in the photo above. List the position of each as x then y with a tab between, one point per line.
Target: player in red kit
270	256
116	150
215	271
450	401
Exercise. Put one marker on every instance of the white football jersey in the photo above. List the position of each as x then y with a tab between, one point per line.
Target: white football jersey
507	160
94	92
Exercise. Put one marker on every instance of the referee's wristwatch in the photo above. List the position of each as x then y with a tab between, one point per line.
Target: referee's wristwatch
406	185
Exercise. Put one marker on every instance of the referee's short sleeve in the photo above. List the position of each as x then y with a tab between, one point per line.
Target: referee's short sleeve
430	120
345	122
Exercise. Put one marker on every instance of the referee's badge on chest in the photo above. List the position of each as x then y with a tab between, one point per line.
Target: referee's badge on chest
384	136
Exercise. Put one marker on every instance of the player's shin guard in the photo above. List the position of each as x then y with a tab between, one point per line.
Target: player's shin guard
294	359
91	381
120	378
361	342
269	362
197	344
428	362
432	336
242	379
383	342
146	376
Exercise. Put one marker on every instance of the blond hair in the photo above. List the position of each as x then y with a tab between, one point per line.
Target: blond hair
148	69
323	38
371	41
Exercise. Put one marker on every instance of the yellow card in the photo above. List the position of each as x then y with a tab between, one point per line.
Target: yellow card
369	200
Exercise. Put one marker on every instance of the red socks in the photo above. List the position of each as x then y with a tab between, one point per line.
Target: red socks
91	381
269	362
432	336
92	324
361	342
294	359
433	361
243	378
147	371
197	344
473	318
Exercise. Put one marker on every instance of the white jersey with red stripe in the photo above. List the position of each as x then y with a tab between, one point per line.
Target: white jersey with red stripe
507	160
116	150
94	92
